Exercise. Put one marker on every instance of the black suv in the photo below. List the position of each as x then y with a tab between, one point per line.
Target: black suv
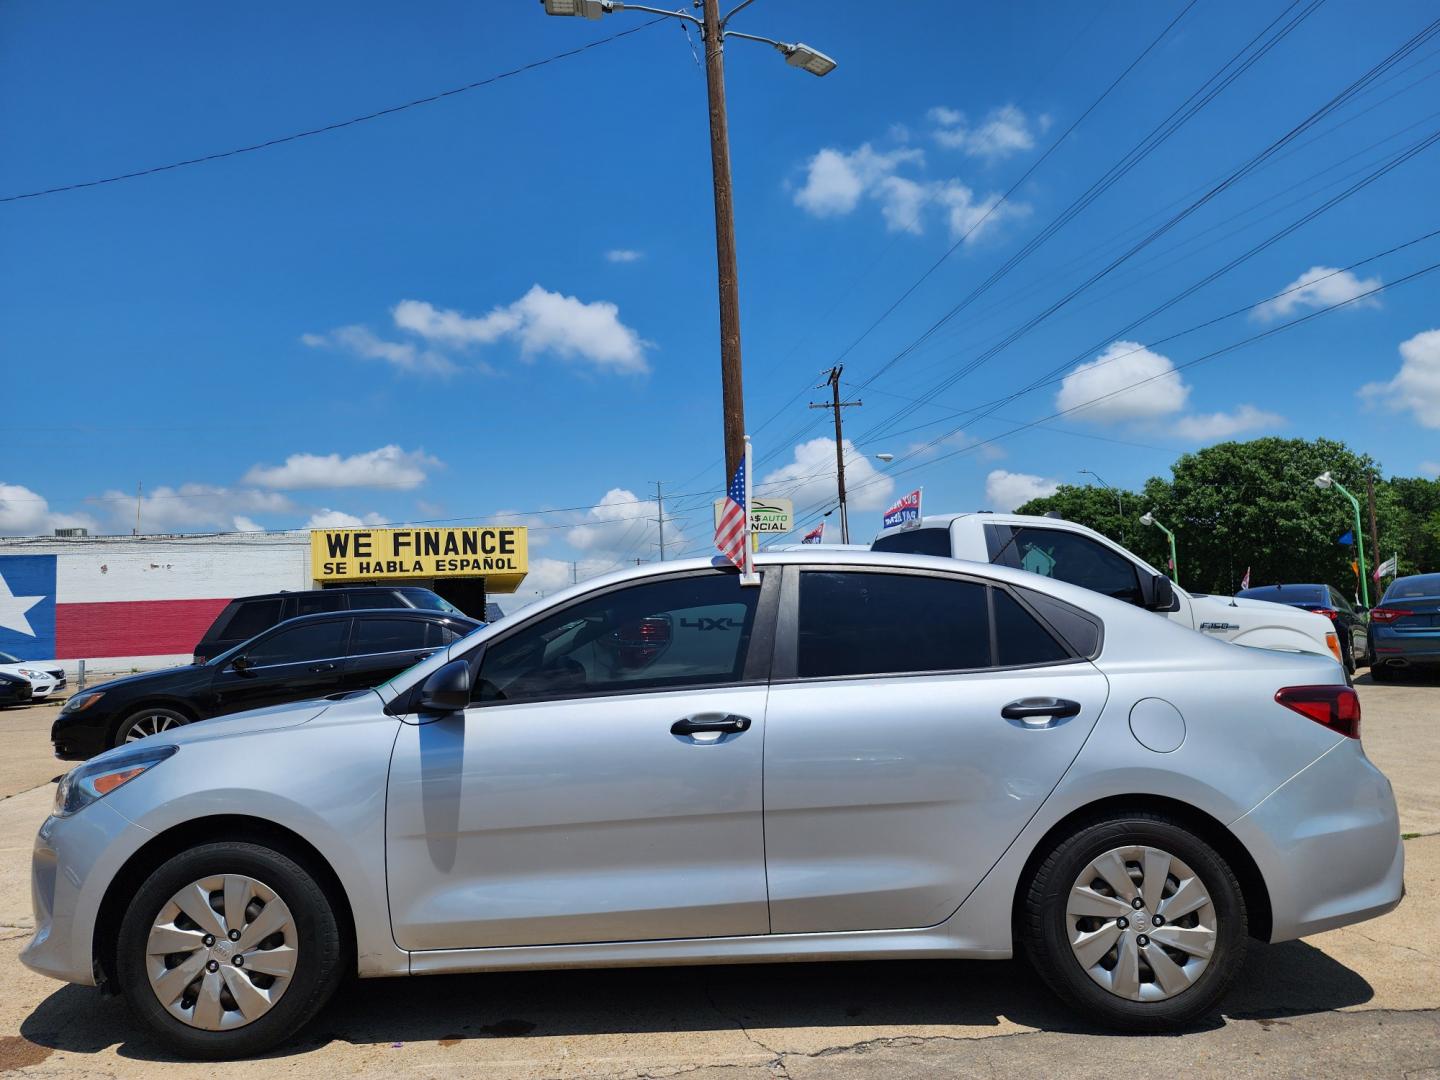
303	658
246	616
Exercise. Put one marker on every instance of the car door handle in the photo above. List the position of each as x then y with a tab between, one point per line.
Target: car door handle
725	725
322	667
1033	709
424	655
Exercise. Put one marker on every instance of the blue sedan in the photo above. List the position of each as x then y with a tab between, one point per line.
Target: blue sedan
1405	627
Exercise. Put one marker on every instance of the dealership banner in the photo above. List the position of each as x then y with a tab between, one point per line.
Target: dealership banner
906	512
499	553
768	517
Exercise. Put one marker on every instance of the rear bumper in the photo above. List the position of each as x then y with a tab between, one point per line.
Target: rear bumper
1398	648
1328	845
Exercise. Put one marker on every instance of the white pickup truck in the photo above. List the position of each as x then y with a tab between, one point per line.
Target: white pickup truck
1071	552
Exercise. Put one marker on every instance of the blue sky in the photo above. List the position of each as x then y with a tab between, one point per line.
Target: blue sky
503	304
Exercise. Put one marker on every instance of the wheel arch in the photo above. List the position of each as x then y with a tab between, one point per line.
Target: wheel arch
1212	831
171	842
184	708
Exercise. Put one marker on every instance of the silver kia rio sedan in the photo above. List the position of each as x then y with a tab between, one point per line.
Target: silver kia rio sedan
867	755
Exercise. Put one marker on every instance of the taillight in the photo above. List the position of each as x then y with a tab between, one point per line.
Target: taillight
1388	614
1329	613
1334	707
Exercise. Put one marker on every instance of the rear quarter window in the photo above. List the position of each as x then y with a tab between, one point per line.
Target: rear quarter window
252	617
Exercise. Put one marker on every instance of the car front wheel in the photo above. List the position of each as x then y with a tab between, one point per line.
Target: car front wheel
227	950
146	722
1136	922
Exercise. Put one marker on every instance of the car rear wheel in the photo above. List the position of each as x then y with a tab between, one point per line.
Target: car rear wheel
147	722
1382	673
227	950
1136	922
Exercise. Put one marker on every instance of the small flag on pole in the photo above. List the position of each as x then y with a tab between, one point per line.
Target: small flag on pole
1245	581
731	530
906	512
1389	566
815	535
1346	538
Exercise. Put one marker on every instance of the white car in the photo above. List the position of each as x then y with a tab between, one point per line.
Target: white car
1068	551
46	676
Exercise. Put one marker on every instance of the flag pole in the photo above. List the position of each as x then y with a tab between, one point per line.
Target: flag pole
748	576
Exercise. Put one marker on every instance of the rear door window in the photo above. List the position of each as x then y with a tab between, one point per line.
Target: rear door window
861	623
389	635
312	603
253	617
1020	639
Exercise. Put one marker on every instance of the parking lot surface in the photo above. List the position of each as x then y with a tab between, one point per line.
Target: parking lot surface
1361	1001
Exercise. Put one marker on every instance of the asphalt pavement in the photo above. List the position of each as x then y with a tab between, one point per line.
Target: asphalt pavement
1363	1001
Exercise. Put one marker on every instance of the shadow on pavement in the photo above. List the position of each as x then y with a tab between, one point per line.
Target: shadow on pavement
1279	980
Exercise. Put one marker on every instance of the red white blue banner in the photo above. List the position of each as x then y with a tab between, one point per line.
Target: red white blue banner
815	535
906	512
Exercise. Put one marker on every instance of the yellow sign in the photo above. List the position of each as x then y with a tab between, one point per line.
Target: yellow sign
499	554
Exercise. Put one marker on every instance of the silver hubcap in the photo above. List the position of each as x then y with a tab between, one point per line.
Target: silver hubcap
221	952
1141	923
152	724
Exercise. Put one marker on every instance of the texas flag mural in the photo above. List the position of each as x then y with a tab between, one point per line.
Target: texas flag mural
66	607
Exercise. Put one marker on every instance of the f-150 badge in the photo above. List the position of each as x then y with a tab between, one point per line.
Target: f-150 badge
1222	626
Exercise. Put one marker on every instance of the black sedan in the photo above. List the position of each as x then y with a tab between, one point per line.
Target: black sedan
1351	626
14	689
308	657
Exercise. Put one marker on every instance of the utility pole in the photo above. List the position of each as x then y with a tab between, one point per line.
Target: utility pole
574	573
732	396
836	404
660	502
1374	531
139	488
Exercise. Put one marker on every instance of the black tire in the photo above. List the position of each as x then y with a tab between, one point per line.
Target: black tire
319	953
162	719
1382	673
1044	928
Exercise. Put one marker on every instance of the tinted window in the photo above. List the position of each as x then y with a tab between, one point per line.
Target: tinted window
375	598
916	542
1019	637
1068	556
313	641
689	631
252	617
312	603
854	623
1079	628
389	635
1288	594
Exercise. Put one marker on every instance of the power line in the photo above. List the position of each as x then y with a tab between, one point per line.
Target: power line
337	125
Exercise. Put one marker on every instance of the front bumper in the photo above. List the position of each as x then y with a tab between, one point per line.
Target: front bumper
78	737
73	862
1328	845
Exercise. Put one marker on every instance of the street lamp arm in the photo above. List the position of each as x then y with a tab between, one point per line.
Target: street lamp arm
782	46
618	6
735	11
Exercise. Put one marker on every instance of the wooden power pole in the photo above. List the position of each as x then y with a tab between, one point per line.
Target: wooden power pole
836	405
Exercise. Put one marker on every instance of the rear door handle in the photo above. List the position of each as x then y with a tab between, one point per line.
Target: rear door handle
1034	711
725	725
322	667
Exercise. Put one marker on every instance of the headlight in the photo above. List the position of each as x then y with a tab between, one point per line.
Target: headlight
84	785
82	701
32	674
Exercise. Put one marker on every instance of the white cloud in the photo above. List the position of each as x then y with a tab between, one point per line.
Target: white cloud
245	524
339	519
1006	490
810	478
837	182
193	506
624	527
401	355
1222	425
539	322
1120	366
27	513
624	255
1004	131
1318	287
389	466
1417	384
451	327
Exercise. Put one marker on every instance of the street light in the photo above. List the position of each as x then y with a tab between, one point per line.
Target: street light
1119	499
1148	518
1325	482
713	31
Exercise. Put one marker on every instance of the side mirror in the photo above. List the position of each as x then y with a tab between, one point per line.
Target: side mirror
446	690
1161	594
240	665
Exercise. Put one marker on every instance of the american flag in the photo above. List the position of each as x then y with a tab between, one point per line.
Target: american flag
730	531
815	535
1245	581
